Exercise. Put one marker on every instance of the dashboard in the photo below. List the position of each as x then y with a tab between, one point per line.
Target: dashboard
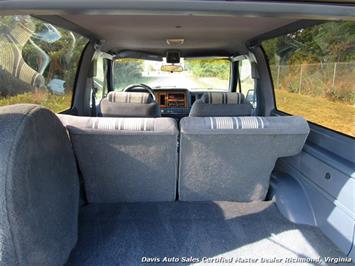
175	102
172	99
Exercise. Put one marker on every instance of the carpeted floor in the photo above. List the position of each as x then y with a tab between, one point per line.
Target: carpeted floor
123	234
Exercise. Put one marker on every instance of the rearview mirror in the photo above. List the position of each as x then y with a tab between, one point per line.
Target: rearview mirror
171	68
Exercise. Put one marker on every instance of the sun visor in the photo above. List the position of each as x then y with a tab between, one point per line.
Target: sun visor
139	55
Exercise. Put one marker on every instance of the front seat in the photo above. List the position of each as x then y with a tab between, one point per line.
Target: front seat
221	104
129	104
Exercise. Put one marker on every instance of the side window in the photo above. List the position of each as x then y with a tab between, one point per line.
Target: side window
38	62
313	72
246	81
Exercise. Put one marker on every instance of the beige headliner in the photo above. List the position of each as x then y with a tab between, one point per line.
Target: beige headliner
209	35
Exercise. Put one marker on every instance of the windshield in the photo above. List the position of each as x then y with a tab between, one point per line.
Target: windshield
198	74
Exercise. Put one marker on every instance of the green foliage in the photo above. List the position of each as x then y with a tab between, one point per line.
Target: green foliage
337	41
317	49
204	68
126	72
328	42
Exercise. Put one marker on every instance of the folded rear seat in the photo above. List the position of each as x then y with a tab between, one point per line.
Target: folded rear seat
39	188
125	159
231	158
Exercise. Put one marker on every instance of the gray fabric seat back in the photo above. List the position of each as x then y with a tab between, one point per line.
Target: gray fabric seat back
221	104
39	197
231	158
129	104
126	159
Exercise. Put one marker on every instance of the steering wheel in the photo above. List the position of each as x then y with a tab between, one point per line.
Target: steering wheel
139	87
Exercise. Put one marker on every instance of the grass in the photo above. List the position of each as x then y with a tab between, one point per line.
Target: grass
338	116
56	103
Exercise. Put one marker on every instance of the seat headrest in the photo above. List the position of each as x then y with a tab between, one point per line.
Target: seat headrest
118	125
223	98
130	124
281	124
129	97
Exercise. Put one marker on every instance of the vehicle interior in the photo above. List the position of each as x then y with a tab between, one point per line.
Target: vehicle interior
177	132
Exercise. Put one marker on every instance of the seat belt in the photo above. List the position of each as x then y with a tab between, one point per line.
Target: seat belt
255	76
93	98
239	81
93	89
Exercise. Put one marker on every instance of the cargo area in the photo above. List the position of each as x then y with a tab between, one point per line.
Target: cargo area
193	233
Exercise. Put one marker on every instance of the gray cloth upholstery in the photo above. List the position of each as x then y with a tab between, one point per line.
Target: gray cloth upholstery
223	98
225	158
200	109
126	159
129	97
39	188
221	104
129	104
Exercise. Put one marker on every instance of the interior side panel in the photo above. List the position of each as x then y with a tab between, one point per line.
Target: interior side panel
329	188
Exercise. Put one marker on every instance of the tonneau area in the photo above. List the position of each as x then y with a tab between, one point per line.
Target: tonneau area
193	232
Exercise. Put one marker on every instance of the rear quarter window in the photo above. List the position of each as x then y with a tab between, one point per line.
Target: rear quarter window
313	72
38	62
